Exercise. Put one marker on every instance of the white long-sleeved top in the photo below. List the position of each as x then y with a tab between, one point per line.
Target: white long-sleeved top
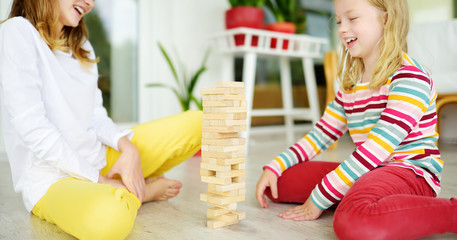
53	120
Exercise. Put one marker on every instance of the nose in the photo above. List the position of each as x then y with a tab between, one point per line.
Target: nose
342	27
89	3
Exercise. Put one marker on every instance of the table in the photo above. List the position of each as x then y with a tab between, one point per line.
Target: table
261	43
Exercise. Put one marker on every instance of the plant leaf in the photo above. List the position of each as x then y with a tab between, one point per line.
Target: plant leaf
197	102
196	76
159	85
170	63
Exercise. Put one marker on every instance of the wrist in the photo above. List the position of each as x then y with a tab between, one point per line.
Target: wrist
125	146
101	179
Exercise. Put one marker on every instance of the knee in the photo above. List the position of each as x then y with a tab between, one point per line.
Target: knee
111	217
194	116
344	226
353	224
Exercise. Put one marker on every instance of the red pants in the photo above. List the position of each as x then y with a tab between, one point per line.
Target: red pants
386	203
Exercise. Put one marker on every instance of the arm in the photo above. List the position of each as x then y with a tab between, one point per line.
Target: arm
128	165
410	94
21	87
330	127
325	132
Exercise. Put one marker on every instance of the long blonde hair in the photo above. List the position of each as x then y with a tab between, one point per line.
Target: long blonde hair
44	15
393	44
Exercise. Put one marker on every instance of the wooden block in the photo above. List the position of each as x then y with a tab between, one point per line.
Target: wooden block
238	166
214	91
224	116
217	224
241	191
236	154
241	215
212	188
236	90
215	103
226	129
232	174
224	103
230	84
221	90
215	167
221	200
230	187
207	173
231	206
224	142
223	123
216	135
225	110
234	193
216	211
239	179
216	180
222	97
228	217
223	149
222	161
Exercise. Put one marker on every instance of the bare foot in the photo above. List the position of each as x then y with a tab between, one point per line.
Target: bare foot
150	180
161	188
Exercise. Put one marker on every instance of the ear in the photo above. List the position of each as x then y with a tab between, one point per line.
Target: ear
385	16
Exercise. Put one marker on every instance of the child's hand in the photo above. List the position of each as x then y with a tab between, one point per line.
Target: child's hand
268	179
307	211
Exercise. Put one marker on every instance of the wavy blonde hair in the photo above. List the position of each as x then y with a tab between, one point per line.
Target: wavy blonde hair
44	15
393	44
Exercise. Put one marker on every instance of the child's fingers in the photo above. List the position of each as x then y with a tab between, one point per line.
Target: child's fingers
274	189
112	173
260	195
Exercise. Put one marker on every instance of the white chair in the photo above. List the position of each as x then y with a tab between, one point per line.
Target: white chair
434	46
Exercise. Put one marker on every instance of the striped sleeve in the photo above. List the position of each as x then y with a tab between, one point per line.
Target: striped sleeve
325	132
409	97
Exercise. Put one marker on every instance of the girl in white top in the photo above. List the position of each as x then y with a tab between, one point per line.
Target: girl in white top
72	165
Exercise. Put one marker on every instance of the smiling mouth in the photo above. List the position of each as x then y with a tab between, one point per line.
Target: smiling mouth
79	9
350	42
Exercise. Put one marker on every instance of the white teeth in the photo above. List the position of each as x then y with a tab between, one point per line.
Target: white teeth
79	9
350	39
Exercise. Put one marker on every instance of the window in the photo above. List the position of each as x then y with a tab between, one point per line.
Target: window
113	28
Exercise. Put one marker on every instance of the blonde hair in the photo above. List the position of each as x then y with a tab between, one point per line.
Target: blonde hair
393	44
44	15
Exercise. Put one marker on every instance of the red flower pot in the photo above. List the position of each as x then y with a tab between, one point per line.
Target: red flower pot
250	17
284	27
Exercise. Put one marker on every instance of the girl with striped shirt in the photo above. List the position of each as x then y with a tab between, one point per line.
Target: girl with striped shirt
386	188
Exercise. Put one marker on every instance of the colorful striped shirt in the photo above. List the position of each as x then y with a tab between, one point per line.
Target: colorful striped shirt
391	126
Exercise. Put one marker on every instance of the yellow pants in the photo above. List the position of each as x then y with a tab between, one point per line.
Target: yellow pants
90	210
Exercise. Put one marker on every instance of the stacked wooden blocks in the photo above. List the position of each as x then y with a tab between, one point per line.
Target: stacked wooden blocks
223	152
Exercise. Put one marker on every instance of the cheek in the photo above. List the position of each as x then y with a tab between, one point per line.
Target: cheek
339	33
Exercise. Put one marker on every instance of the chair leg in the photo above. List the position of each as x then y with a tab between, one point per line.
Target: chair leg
330	71
440	102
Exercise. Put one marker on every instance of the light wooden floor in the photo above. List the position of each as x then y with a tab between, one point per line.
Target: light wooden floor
184	217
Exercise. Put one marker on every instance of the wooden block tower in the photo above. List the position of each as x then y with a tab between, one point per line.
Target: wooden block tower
223	152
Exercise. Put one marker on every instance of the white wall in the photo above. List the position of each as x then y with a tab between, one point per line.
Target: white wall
431	11
428	11
5	6
184	26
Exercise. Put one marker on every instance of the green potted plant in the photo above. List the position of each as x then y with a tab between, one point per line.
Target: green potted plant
245	13
184	83
289	16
